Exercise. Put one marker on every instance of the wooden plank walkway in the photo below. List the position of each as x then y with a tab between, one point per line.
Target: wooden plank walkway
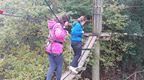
68	75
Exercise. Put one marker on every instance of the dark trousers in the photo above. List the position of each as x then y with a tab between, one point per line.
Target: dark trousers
55	65
77	48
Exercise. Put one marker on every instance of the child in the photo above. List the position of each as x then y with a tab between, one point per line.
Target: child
76	41
57	35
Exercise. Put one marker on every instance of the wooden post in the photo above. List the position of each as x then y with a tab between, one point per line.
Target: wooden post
97	28
97	13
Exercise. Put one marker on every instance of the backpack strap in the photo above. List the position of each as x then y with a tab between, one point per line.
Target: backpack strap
55	40
51	30
53	36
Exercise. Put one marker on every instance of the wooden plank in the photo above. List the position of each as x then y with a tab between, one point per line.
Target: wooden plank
87	52
88	41
86	45
68	75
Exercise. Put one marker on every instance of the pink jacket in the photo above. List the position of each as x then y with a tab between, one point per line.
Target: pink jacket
56	33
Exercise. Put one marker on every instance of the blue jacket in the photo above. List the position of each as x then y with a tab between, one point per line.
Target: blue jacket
76	32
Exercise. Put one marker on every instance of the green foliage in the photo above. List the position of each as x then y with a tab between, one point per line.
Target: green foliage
113	16
113	51
134	27
78	7
22	39
24	65
135	14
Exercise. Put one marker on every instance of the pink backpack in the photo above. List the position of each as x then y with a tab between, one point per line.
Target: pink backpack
54	47
56	36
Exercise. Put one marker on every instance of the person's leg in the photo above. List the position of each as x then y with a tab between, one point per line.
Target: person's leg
77	47
59	63
52	66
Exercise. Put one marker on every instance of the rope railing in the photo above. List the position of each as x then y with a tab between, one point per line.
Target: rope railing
134	75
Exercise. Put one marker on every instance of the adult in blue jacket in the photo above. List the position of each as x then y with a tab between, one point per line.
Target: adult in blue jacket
76	41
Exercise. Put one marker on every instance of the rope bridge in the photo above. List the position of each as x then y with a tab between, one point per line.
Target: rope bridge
69	75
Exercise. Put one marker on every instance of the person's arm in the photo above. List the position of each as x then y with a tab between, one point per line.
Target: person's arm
83	23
